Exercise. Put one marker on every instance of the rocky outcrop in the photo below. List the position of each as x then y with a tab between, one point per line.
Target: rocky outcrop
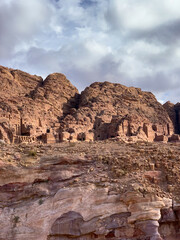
174	114
49	111
108	110
31	107
113	189
61	192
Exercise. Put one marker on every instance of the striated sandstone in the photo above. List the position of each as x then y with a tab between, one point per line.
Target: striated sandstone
124	188
74	191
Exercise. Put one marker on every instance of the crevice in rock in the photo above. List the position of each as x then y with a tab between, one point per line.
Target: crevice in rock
169	224
177	126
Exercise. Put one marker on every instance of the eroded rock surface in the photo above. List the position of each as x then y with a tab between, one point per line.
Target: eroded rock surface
49	111
108	110
31	107
124	188
174	114
84	191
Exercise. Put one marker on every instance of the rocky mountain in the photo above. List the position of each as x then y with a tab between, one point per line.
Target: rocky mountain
30	106
33	110
108	110
57	182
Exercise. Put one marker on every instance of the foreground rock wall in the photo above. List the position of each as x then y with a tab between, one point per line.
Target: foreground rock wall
83	192
90	213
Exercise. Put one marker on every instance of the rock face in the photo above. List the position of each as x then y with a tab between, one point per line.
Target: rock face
108	110
82	191
58	195
49	111
174	114
31	107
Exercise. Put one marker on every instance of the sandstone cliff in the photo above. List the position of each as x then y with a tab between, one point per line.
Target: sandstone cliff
174	114
85	191
122	188
30	106
108	110
49	111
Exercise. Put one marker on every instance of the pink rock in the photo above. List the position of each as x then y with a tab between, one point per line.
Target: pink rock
150	229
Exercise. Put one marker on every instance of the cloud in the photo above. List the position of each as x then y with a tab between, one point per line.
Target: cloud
20	24
133	42
142	15
167	33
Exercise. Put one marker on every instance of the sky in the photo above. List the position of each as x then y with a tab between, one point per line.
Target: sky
131	42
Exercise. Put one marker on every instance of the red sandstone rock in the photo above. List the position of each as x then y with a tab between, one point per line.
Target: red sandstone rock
70	191
112	110
52	111
150	228
30	107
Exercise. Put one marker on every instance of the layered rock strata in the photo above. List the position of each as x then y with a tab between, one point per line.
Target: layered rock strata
82	192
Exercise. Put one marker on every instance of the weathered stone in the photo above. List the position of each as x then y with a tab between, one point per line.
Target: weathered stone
96	192
150	229
174	138
113	110
168	215
52	111
173	111
153	176
30	107
73	196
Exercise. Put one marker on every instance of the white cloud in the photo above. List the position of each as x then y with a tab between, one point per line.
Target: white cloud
143	15
21	22
133	42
